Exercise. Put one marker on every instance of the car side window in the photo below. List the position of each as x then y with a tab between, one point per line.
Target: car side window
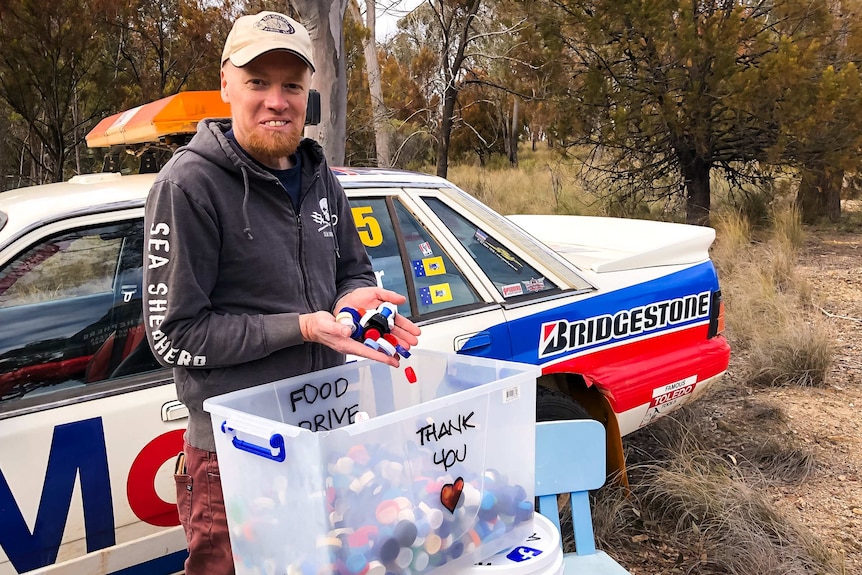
511	275
70	307
434	283
374	224
74	264
437	282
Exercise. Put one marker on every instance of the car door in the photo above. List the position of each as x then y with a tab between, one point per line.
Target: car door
411	256
85	462
529	281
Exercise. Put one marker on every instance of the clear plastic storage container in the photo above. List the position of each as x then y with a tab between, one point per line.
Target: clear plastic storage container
354	470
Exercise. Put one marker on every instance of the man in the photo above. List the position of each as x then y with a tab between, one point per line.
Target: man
241	279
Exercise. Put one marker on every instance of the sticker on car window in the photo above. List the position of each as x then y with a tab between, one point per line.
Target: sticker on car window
512	290
535	284
367	226
429	267
437	293
426	250
498	250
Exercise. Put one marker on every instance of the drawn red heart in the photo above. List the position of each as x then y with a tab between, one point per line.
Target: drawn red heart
451	494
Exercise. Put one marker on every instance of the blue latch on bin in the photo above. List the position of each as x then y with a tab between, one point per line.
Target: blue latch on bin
276	441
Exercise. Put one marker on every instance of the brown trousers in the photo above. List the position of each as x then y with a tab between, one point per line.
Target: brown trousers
200	502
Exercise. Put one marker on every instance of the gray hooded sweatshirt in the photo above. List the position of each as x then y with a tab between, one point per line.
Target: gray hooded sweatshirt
230	264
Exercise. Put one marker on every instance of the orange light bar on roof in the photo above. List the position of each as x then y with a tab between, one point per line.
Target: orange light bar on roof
177	114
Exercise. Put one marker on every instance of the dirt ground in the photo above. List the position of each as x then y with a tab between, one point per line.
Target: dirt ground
822	426
828	420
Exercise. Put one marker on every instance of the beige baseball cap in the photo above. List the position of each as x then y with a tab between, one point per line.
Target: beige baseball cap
253	35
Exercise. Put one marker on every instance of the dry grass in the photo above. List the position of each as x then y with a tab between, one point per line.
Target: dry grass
541	184
733	238
787	227
770	310
730	526
800	354
780	460
701	506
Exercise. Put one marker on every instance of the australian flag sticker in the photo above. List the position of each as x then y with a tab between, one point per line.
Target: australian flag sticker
428	267
438	293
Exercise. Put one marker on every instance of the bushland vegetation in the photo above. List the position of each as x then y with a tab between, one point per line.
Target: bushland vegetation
704	506
662	101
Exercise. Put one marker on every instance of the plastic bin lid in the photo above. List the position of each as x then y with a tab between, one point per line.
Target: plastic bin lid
539	554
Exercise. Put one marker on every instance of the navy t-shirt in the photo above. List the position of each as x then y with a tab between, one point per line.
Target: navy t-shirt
290	178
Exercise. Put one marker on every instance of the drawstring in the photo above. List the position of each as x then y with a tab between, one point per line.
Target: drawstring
334	232
247	228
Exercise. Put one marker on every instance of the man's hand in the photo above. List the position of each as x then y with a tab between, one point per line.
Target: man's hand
369	298
321	326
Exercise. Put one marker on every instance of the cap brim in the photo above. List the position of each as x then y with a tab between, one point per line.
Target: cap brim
245	55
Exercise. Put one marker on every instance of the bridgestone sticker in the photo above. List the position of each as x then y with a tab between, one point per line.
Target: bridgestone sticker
565	336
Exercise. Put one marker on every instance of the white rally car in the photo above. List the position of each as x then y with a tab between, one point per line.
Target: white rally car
624	317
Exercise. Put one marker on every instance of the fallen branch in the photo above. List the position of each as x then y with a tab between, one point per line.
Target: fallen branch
828	314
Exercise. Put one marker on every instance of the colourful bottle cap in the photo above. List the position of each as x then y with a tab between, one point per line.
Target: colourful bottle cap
386	347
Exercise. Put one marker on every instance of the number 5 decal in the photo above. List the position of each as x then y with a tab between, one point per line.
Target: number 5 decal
367	226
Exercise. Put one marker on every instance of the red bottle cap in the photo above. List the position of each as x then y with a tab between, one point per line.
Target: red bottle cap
372	334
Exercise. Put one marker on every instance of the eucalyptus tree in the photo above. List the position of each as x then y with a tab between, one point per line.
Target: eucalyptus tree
52	77
161	47
663	93
466	37
325	22
379	112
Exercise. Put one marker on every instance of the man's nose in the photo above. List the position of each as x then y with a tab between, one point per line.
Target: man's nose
276	98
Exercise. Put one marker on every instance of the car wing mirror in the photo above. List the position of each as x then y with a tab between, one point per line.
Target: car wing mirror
312	111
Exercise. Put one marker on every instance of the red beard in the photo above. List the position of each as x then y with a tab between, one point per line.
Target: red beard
273	145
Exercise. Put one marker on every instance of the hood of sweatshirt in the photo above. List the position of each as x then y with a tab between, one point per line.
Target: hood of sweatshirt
211	144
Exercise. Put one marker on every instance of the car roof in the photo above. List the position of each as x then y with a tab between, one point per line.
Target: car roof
89	193
31	207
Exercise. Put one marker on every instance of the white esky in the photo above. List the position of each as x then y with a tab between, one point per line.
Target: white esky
388	14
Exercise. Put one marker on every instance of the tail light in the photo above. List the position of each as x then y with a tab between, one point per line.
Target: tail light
716	315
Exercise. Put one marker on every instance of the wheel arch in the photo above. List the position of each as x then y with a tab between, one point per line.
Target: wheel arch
591	398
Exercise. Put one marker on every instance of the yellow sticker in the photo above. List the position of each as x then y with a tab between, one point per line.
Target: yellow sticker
434	266
440	293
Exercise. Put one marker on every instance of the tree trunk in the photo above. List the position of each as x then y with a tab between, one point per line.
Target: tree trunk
451	69
506	122
379	113
325	23
820	193
513	135
695	173
449	98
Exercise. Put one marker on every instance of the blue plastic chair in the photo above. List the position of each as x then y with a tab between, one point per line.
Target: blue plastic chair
570	458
